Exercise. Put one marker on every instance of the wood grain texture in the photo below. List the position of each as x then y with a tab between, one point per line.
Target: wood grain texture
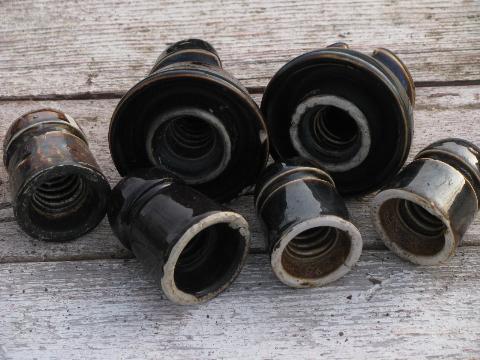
102	305
106	46
383	309
440	112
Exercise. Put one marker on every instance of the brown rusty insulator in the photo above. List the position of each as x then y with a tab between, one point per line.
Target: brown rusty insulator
57	188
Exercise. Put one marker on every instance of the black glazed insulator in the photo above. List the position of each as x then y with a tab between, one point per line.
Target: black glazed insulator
58	190
424	212
308	233
349	112
193	118
193	247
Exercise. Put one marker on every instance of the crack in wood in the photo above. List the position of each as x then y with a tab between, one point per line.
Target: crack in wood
254	90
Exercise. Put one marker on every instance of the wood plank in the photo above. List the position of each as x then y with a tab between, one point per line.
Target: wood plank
384	308
440	112
107	46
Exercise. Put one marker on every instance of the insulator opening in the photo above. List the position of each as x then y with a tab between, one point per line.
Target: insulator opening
59	195
419	220
334	128
329	133
63	203
312	243
316	252
332	131
412	227
190	138
210	260
191	147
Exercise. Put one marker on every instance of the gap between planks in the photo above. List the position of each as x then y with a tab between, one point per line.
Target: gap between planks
252	91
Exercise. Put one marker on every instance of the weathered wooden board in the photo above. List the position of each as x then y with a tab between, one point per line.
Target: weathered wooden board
100	308
384	308
440	112
106	46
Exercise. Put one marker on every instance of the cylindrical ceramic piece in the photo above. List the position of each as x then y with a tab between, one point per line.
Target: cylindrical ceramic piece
424	212
191	245
58	190
309	236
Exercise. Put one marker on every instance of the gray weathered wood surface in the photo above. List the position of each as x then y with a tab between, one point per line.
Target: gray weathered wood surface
385	308
88	299
106	46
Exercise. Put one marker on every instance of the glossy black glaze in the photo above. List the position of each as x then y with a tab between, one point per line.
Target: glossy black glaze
314	194
193	118
58	190
443	184
379	88
151	211
291	194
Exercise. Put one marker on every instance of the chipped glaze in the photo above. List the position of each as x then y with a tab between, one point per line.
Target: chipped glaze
58	190
423	213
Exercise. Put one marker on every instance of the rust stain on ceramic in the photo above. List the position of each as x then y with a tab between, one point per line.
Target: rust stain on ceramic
58	190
